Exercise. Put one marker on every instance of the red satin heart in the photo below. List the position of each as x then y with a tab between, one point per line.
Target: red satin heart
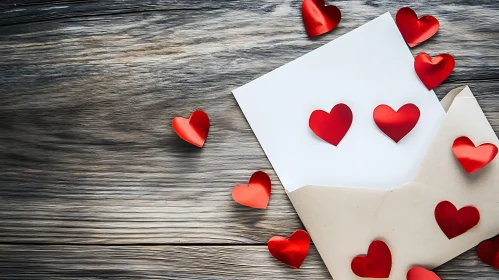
397	124
421	273
318	18
256	194
292	251
415	30
376	264
193	130
433	71
473	158
455	222
488	252
331	127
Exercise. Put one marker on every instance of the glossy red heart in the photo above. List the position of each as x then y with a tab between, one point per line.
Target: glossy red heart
193	130
292	251
331	127
433	71
415	30
488	252
256	194
319	18
455	222
376	264
473	158
396	124
421	273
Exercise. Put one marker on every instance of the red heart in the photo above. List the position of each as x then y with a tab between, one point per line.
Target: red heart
433	71
256	194
193	130
376	264
421	273
331	127
292	251
473	158
415	30
488	252
455	222
318	18
397	124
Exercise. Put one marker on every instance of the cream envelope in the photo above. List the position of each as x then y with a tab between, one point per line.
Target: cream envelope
344	221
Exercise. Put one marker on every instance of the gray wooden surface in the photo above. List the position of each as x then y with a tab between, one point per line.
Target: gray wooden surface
94	184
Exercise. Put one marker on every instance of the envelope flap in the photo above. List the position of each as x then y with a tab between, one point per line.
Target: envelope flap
464	118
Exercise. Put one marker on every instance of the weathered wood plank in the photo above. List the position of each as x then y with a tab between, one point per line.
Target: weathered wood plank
184	262
103	166
87	154
236	40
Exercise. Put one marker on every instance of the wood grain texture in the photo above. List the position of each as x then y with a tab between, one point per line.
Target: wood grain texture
183	262
87	154
242	39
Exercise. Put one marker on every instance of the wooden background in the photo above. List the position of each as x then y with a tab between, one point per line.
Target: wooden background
94	184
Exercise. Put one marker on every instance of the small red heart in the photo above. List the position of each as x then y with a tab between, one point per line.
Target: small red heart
331	127
376	264
488	252
193	130
433	71
421	273
319	18
455	222
292	251
473	158
396	124
415	30
256	194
